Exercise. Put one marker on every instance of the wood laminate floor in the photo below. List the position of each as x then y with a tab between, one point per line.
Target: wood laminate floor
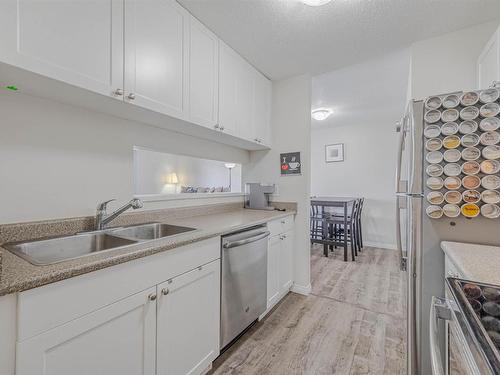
352	323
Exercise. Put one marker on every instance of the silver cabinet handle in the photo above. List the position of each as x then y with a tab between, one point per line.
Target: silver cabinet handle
165	291
152	297
131	96
118	92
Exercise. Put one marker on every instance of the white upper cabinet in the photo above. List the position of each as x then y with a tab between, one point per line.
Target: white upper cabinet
156	56
244	98
188	321
262	109
117	339
77	42
245	95
151	54
203	75
488	64
229	76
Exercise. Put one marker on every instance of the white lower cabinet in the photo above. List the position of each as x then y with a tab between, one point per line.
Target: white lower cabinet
117	339
279	261
286	262
273	259
171	327
188	321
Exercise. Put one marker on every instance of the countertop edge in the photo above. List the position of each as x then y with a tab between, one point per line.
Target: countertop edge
113	260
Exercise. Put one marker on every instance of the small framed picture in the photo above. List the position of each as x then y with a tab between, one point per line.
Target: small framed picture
334	153
290	164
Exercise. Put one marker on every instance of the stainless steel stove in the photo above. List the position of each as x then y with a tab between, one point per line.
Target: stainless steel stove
472	311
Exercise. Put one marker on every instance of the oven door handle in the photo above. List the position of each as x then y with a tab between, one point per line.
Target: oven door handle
439	310
229	245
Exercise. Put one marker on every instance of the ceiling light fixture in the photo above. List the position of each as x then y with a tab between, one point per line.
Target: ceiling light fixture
321	114
315	3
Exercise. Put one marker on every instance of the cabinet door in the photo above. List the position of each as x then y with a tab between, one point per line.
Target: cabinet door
77	42
286	262
273	279
229	72
156	56
262	110
488	63
117	339
245	100
203	75
188	321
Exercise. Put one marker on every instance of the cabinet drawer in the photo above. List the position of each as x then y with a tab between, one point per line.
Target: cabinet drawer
279	226
49	306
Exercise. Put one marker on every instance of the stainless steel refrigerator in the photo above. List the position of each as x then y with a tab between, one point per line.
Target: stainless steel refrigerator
419	237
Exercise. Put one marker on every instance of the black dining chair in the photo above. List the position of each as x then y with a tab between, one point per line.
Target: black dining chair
341	230
317	222
358	228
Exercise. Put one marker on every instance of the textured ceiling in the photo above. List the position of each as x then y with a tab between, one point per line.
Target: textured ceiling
373	92
283	38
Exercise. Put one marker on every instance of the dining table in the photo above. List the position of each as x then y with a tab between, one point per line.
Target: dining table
332	201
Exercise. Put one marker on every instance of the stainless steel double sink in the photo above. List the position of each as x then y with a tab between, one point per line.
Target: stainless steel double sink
59	249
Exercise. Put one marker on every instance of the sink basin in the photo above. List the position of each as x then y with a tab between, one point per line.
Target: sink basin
55	250
150	231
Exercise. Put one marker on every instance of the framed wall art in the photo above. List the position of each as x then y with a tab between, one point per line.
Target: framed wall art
334	153
290	164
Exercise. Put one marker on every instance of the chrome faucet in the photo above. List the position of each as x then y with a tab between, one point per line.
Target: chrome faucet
102	218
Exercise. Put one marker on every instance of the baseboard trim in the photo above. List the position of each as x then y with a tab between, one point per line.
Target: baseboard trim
380	245
301	289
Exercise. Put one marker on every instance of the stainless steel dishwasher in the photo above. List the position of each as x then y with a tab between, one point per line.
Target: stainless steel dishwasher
244	281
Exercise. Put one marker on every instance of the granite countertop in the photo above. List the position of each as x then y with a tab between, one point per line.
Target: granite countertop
18	275
476	262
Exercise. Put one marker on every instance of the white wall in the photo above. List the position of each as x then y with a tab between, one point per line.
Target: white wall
291	118
59	160
368	100
448	63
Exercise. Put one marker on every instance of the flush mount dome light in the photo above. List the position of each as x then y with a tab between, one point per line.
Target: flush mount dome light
315	3
321	114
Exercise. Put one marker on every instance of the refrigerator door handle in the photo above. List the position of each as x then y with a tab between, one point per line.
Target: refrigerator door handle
439	310
400	185
414	128
402	259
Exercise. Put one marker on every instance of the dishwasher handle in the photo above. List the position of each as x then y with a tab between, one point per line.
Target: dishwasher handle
229	245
